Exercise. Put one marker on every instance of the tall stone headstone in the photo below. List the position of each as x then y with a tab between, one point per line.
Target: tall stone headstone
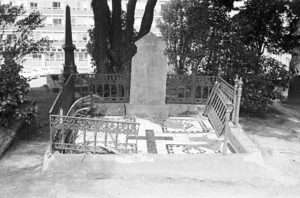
148	79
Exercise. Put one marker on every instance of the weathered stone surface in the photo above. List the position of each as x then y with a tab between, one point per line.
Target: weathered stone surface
148	77
185	109
294	91
110	109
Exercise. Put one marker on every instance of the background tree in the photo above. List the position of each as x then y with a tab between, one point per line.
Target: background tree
112	43
236	44
267	25
16	34
194	31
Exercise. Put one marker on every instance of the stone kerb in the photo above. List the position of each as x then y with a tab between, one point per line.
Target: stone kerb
148	79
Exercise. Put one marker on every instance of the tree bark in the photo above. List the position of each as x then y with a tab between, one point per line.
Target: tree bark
102	19
116	36
115	47
147	19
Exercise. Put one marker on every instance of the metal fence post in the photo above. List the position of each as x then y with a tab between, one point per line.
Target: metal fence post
240	84
51	134
235	99
227	118
193	90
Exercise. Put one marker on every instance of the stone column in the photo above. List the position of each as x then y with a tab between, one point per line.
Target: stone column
69	66
148	79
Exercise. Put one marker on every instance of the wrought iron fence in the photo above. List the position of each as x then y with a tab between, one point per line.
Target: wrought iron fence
218	110
233	93
111	87
98	136
189	88
223	106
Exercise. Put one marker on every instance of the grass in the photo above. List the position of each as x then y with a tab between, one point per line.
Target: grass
39	129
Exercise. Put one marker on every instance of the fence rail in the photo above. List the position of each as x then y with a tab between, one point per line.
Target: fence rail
80	135
189	88
111	87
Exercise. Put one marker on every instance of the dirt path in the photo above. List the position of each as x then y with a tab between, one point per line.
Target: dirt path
277	136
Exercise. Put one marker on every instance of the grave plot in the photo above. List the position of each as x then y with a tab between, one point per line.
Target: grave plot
146	92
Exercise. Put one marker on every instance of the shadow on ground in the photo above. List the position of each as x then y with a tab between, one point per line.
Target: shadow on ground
282	122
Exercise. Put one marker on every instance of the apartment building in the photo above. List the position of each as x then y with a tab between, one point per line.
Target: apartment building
81	19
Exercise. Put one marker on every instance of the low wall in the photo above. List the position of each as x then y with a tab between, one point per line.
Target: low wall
206	166
119	109
240	141
185	109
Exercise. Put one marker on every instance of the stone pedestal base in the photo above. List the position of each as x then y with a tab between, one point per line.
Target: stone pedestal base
156	111
294	91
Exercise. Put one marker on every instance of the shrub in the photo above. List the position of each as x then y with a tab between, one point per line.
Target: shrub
13	92
16	42
263	84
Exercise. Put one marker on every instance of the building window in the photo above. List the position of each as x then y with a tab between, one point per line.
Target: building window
59	56
82	56
56	5
84	38
33	5
57	22
73	21
36	56
50	56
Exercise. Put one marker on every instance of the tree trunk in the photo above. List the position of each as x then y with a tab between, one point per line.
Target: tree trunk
114	47
102	19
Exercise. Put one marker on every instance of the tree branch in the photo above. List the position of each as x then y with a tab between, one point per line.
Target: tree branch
147	19
130	20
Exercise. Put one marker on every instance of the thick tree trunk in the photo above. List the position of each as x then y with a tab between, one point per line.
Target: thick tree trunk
115	36
147	19
115	47
102	24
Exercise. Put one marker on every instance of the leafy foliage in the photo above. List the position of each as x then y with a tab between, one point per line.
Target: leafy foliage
203	36
265	85
16	33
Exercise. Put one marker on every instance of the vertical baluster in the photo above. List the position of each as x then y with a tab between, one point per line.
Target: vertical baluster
117	134
201	93
110	93
106	131
239	100
51	132
95	136
103	89
193	87
234	118
137	129
84	135
117	91
228	111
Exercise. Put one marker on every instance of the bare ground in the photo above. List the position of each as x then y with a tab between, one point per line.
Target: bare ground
277	135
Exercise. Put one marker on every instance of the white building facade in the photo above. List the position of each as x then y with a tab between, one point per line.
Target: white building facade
82	20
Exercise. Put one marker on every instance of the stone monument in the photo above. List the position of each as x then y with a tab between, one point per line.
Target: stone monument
69	66
294	85
148	79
